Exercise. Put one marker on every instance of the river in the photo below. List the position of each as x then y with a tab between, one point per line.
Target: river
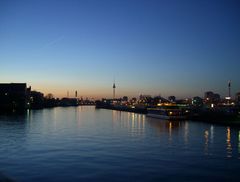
87	144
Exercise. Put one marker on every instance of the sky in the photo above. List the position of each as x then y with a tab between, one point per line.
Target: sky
154	47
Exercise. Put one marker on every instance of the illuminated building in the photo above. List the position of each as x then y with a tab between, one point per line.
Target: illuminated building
197	101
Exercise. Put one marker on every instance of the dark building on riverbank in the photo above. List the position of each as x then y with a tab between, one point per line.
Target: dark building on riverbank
36	100
14	96
211	98
69	102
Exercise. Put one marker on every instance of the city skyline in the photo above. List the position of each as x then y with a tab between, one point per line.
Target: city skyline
150	47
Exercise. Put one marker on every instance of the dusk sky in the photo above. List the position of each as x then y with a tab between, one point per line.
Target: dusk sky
167	47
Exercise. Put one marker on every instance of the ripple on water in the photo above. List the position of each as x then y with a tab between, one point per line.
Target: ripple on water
84	144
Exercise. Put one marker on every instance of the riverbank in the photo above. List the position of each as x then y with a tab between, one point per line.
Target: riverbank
23	111
122	108
209	116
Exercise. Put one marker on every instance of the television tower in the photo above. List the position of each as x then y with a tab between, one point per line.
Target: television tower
229	88
114	87
76	93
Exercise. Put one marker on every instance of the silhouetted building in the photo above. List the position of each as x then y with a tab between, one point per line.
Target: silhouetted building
50	101
68	102
36	100
14	96
145	99
208	95
211	97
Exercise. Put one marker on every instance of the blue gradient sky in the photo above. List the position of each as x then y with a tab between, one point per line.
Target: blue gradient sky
166	47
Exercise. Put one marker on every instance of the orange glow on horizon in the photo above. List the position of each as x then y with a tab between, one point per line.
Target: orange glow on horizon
90	90
95	93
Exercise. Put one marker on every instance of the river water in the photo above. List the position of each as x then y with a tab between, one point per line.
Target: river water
88	144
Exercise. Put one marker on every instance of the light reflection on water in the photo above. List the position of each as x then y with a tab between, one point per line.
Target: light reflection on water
206	142
228	140
186	134
84	143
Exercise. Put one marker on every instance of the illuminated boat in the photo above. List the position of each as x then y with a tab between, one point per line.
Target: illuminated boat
168	112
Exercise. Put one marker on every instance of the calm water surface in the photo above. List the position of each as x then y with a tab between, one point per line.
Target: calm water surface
88	144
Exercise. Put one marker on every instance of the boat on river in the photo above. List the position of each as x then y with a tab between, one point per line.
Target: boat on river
168	112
